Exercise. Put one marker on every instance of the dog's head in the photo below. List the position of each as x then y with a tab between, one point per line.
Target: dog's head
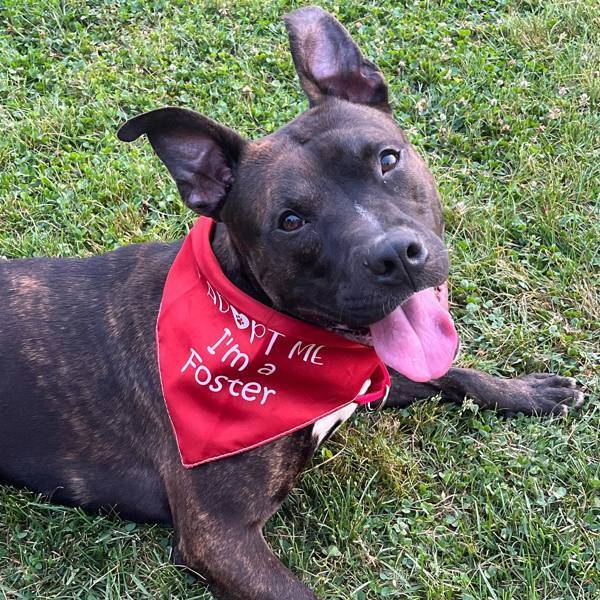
335	215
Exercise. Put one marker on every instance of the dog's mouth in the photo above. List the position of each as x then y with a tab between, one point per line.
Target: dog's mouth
417	338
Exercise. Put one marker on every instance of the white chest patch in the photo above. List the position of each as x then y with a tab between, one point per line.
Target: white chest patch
327	425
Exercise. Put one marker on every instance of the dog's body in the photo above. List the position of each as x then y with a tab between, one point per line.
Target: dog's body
83	418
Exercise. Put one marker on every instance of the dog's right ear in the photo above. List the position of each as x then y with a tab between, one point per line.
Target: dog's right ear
201	155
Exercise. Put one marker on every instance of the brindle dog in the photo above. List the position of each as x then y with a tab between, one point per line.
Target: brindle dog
316	220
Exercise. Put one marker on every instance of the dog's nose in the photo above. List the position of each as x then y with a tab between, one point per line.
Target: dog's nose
397	257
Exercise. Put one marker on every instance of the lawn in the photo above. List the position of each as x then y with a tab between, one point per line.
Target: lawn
434	502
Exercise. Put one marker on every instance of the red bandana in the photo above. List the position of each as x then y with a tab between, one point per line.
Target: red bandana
237	374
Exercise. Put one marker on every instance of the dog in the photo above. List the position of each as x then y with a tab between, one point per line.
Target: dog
334	219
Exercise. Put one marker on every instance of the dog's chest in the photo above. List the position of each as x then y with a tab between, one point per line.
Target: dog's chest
326	426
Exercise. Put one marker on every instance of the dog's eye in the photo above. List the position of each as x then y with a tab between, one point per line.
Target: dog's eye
290	221
388	160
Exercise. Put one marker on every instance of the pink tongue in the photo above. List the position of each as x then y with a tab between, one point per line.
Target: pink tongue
418	339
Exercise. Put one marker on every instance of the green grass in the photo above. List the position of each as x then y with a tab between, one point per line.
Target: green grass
502	97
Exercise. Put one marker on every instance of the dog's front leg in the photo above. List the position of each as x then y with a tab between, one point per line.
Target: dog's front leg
236	562
538	393
219	510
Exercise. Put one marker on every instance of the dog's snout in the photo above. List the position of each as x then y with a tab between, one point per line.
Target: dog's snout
397	258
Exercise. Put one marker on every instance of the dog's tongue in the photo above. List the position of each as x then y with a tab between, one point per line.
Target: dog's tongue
418	339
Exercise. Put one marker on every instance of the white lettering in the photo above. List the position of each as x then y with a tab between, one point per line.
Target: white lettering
232	383
211	293
266	392
217	386
315	359
254	331
239	355
226	334
309	352
275	335
267	369
207	375
249	391
241	320
190	361
250	388
223	303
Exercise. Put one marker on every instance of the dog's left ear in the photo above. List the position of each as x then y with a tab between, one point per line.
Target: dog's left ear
329	63
200	154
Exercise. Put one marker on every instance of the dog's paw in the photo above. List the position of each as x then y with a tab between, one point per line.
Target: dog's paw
545	394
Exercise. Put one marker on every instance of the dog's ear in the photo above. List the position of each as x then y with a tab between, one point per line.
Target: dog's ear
329	63
200	154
